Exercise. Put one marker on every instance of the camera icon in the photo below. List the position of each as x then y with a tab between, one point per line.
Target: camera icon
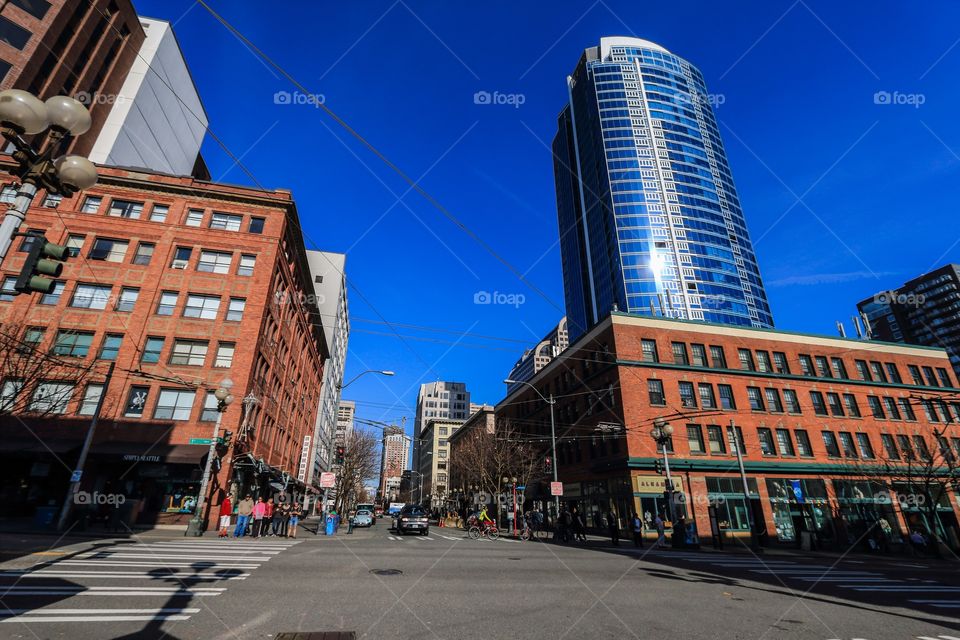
482	297
884	297
81	497
482	97
881	97
282	97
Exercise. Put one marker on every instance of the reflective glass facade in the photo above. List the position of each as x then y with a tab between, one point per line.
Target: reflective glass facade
648	213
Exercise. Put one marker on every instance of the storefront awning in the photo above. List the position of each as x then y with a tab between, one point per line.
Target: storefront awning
37	446
146	452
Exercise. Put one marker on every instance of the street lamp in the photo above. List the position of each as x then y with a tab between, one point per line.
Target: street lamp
553	438
22	113
512	483
662	432
382	373
197	525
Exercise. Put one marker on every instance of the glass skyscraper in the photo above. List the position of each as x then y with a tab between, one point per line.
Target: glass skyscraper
649	218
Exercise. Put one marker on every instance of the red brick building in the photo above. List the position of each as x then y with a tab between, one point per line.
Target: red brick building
814	413
180	283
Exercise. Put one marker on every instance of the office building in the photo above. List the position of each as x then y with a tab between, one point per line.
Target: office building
434	466
925	310
438	400
394	457
536	358
649	218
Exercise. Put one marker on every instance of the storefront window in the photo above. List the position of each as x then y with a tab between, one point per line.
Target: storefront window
867	516
726	494
798	505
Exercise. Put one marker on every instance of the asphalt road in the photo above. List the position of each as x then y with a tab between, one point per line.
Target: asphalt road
380	585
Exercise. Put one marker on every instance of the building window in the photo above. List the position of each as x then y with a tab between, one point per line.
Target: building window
915	374
851	402
7	292
819	406
849	449
655	391
144	253
256	225
718	357
715	435
167	304
9	193
767	447
806	365
52	200
649	348
687	397
763	362
209	413
74	245
235	309
151	350
893	373
189	352
930	412
214	262
91	296
907	409
862	371
698	355
33	337
136	402
54	296
892	409
735	438
773	400
247	263
225	221
785	443
839	369
128	299
928	375
90	400
746	359
921	447
791	401
125	209
110	348
679	353
903	442
695	438
836	408
181	258
15	36
108	250
707	399
51	397
755	397
822	369
174	404
159	213
866	449
194	218
876	409
91	204
225	352
36	8
803	443
726	397
944	377
877	370
75	344
889	446
204	307
26	243
830	442
780	364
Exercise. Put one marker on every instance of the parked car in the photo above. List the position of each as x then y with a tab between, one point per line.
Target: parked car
363	518
413	517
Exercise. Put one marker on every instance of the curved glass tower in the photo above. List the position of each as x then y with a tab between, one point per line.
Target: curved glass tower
649	218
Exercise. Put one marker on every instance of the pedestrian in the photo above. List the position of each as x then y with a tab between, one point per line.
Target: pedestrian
226	510
579	526
276	520
267	518
563	525
613	525
659	524
259	509
296	512
286	510
636	525
244	511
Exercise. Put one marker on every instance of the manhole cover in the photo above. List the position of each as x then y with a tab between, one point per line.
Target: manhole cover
386	572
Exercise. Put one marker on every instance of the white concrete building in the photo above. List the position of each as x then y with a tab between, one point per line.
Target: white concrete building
438	400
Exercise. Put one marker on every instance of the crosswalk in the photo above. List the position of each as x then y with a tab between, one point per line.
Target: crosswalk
434	537
157	581
915	591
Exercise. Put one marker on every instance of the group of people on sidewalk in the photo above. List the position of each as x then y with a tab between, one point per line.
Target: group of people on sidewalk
571	526
261	518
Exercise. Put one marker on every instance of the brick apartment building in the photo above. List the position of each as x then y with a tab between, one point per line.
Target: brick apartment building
812	412
180	283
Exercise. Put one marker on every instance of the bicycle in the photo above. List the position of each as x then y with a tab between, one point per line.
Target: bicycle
488	531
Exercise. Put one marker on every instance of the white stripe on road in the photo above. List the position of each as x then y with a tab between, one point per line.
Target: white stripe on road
93	615
114	591
903	587
157	565
157	556
133	575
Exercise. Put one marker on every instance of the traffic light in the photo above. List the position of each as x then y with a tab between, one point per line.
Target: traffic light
658	466
341	452
43	259
548	463
223	442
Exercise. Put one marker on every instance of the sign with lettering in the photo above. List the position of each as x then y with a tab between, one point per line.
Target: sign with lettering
656	484
556	488
136	457
328	480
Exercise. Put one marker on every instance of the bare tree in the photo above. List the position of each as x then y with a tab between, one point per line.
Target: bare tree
38	382
360	463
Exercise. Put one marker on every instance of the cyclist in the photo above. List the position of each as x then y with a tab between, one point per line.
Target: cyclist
484	519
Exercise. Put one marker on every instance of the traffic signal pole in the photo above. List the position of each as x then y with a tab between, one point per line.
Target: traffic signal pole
15	216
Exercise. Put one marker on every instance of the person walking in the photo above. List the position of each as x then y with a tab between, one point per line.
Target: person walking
226	510
259	509
636	526
613	526
276	521
579	526
267	518
658	523
244	511
296	512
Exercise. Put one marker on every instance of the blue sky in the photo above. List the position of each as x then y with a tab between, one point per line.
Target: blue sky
843	196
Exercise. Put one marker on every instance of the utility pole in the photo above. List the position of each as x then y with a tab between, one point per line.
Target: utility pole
735	443
84	451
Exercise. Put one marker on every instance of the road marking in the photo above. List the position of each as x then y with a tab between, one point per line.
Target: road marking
904	587
132	575
158	565
93	615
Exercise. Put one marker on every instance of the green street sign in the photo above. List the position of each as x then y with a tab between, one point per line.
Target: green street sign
199	440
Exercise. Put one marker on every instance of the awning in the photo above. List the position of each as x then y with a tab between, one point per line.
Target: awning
147	452
37	446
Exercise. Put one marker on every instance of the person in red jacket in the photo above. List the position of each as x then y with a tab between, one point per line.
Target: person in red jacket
226	510
267	517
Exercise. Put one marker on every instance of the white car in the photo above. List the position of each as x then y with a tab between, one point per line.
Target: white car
363	518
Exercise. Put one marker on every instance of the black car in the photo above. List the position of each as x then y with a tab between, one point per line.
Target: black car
413	517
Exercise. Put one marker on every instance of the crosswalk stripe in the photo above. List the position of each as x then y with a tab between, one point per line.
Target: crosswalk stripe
154	556
160	565
904	587
121	575
93	615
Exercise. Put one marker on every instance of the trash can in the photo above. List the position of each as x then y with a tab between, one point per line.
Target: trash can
331	525
43	516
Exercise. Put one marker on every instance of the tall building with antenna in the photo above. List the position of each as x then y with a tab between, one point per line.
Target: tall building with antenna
649	218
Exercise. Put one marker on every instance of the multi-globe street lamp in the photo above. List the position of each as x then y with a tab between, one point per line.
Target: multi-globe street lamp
662	433
224	398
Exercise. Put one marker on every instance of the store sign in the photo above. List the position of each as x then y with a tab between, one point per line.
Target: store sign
656	484
136	457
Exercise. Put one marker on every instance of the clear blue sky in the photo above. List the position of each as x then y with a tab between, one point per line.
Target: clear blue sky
879	182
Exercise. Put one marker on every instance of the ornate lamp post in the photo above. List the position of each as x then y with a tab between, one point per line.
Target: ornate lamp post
662	433
197	524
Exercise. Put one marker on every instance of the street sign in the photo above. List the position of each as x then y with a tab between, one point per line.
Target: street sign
328	480
521	487
75	476
199	440
556	488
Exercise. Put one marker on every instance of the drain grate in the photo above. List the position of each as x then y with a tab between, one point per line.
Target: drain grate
386	572
316	635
